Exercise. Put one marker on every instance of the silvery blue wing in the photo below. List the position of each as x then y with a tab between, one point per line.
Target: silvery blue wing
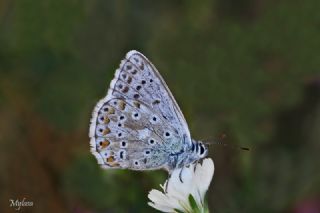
138	124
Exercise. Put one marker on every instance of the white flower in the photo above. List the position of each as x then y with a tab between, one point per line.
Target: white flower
196	179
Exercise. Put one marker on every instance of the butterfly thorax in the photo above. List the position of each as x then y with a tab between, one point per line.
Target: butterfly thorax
190	154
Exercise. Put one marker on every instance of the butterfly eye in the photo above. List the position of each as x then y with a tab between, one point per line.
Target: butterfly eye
201	149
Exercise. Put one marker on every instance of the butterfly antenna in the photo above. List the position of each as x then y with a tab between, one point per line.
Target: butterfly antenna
221	143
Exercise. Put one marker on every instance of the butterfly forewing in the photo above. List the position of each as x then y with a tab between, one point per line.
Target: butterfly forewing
161	97
135	125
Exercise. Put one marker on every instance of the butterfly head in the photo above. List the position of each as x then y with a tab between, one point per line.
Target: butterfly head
199	149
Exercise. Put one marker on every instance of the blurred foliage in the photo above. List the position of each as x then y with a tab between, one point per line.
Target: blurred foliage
248	68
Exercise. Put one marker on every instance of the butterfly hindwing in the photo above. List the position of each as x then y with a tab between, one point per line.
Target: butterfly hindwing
128	135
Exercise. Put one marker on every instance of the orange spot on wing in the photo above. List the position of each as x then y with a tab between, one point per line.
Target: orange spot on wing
129	80
110	159
106	120
122	105
104	144
111	162
125	90
111	111
136	104
106	131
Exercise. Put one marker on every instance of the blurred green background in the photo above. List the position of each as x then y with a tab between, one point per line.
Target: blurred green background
249	69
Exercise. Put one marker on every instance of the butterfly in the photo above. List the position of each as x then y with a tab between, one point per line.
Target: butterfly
138	125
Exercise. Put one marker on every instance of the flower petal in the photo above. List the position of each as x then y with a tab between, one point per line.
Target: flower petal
195	178
161	207
203	176
162	200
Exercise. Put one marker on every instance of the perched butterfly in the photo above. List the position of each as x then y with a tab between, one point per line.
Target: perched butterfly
139	125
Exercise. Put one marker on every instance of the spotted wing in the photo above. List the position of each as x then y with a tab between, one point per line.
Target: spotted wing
138	124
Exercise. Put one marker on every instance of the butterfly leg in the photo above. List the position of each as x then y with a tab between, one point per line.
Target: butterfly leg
195	166
180	175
